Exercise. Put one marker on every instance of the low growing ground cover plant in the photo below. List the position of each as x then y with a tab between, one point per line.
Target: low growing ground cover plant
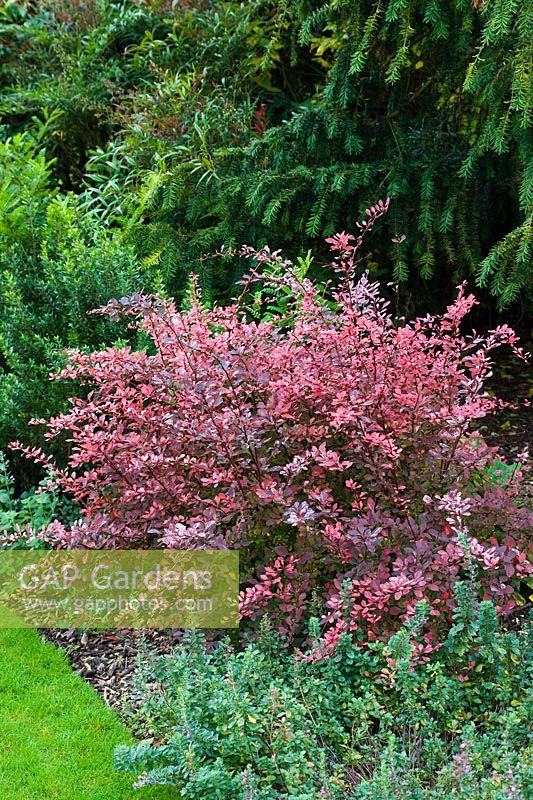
336	449
372	724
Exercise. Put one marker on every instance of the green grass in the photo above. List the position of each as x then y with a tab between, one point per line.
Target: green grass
56	735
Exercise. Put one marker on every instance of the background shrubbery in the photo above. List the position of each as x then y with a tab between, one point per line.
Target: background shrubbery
56	264
196	124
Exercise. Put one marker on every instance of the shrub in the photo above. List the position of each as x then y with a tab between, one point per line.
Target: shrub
55	265
375	724
336	451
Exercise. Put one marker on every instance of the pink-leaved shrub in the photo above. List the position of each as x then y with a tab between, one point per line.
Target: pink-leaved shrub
337	452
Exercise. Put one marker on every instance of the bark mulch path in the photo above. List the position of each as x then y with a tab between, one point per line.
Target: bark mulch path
107	660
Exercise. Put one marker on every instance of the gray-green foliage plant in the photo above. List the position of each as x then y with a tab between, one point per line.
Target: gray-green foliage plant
385	722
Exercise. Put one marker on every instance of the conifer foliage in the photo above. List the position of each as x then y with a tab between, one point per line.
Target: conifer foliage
431	100
197	124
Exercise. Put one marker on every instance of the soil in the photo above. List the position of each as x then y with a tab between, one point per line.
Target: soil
511	429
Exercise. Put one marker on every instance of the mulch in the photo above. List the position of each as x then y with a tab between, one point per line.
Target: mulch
107	660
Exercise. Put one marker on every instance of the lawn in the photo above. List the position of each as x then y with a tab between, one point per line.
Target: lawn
56	735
